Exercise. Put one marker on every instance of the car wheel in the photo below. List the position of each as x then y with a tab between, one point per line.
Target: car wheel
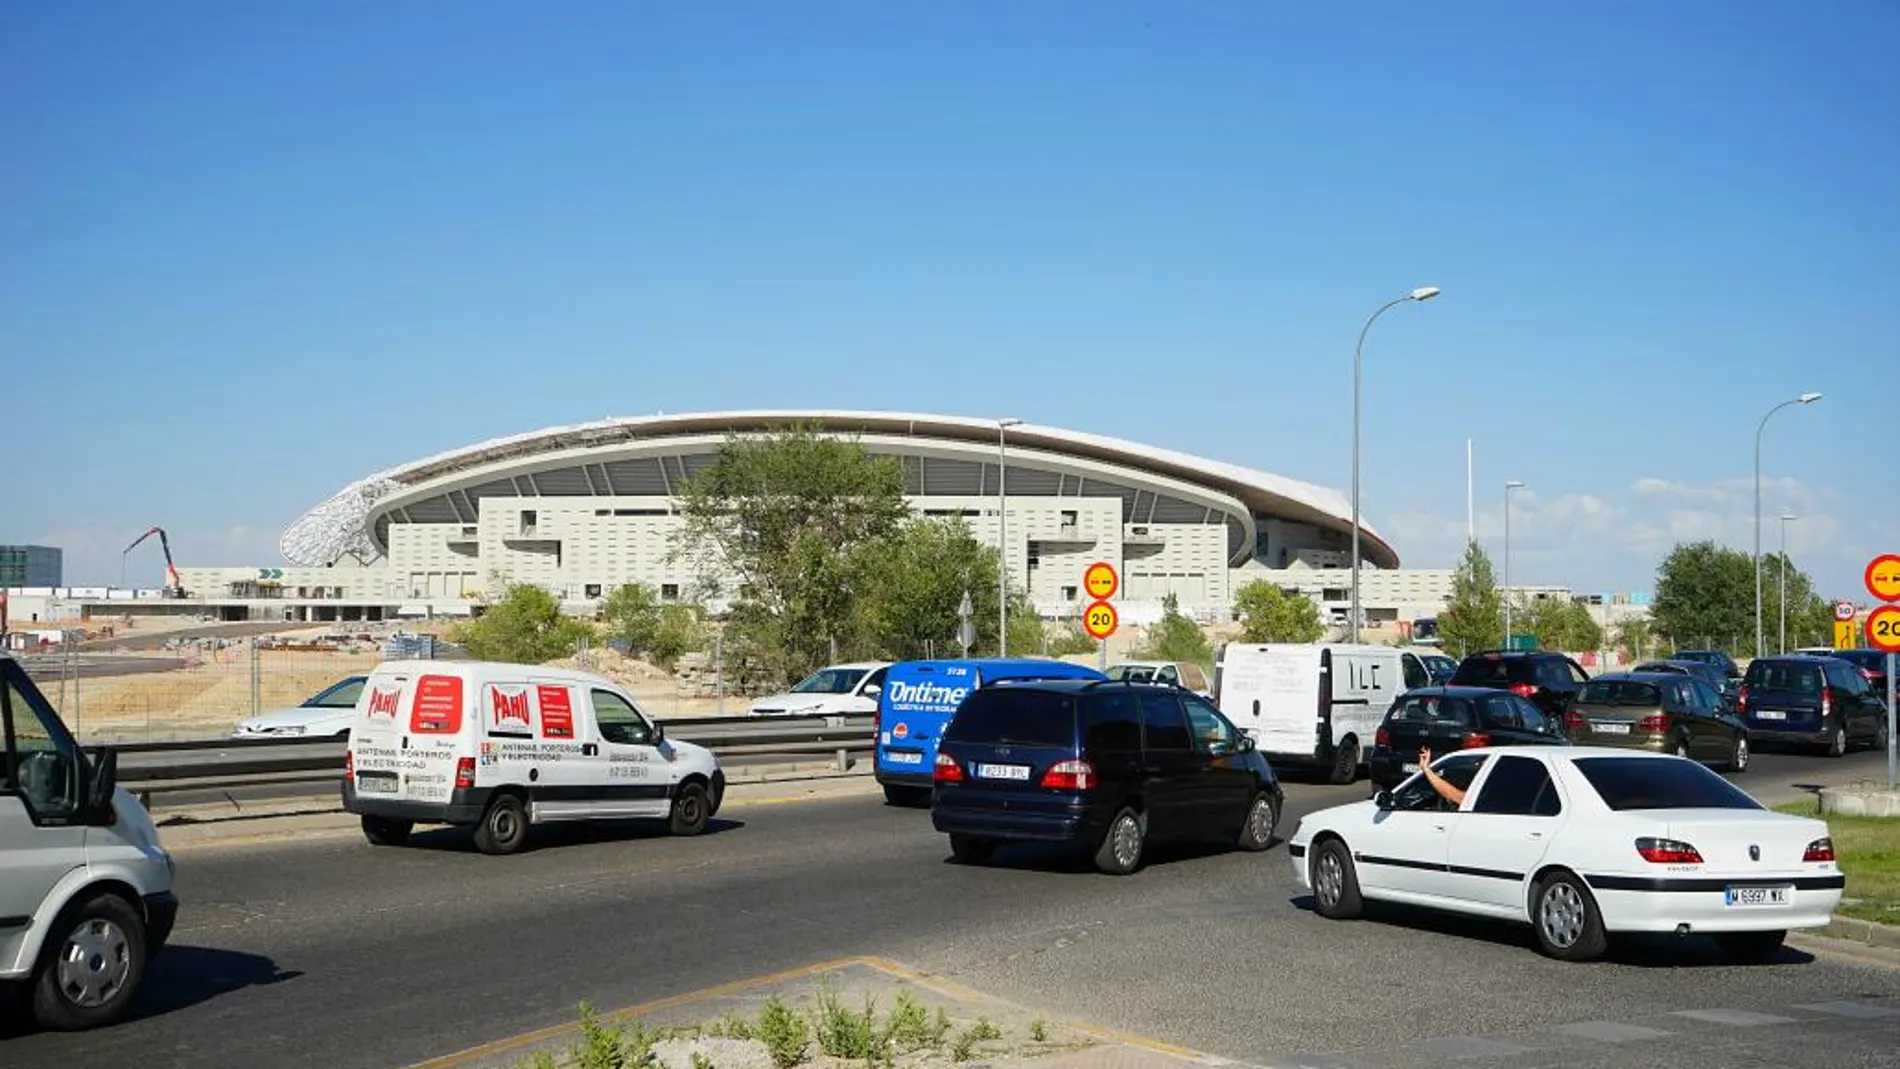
1345	762
1682	748
969	850
691	810
504	828
1256	829
1336	882
381	831
1837	742
1569	926
1750	946
1880	732
91	967
1121	849
1738	759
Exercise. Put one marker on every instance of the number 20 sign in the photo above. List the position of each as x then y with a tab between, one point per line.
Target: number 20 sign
1100	619
1883	628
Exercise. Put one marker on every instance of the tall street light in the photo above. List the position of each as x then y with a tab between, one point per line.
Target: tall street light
1804	399
1514	484
1002	534
1423	293
1782	597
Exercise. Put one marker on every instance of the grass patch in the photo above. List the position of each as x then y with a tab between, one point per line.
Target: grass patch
1868	851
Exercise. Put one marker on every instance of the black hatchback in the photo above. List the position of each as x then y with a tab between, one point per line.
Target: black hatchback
1444	719
1546	679
1108	766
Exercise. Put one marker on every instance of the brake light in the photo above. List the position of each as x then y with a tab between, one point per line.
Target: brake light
1072	775
1819	850
1667	852
1653	724
1523	690
947	770
1475	739
1382	738
1573	719
1827	702
1869	674
1741	700
464	773
349	764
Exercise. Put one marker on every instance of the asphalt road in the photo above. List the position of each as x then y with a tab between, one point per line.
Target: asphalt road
45	668
337	954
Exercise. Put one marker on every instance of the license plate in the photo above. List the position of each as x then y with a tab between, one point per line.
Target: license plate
1003	771
1760	896
900	757
1411	766
1610	729
1770	714
376	785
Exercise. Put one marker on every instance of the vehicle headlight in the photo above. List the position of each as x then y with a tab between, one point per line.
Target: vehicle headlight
292	729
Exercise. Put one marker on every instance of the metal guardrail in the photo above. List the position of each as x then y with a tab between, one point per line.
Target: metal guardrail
158	768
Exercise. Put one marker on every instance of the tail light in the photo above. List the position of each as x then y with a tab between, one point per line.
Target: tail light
1070	775
1573	720
1475	739
464	773
947	770
1827	702
1653	724
1741	700
1523	690
1869	674
1382	738
1667	852
349	765
1819	850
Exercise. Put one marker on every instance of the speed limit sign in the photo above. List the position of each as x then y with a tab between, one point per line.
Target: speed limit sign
1844	610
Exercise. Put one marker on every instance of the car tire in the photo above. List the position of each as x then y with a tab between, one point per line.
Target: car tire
1750	946
1738	757
382	831
1345	762
906	797
1257	824
1123	843
1335	882
1682	749
504	827
92	965
692	809
1837	742
1565	917
970	850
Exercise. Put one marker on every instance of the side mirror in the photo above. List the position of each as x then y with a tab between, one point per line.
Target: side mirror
873	691
101	783
659	733
1383	800
1246	744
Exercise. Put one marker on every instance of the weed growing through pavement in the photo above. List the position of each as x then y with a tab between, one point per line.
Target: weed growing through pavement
785	1033
843	1033
939	1028
909	1026
983	1030
700	1061
1039	1031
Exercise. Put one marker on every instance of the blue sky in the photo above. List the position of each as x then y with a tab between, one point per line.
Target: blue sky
251	252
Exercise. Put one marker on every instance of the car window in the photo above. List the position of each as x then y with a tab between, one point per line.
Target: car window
1556	676
1012	716
1163	726
619	722
1653	783
1458	770
1414	672
1577	674
1212	733
1431	709
1491	670
1193	677
1618	692
48	760
1785	676
1529	715
1501	713
830	681
876	680
1168	675
1518	786
1114	723
343	696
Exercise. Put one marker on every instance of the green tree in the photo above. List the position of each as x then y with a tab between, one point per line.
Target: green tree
910	583
1067	640
659	632
1705	595
523	626
1636	637
1270	614
1563	624
1810	616
1176	638
784	514
681	630
1474	618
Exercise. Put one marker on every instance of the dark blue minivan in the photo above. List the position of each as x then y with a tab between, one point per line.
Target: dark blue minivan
918	700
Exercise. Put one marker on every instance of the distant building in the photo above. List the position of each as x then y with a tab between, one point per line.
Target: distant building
31	566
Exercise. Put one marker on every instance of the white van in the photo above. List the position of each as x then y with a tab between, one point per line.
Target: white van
834	690
499	747
85	888
1317	705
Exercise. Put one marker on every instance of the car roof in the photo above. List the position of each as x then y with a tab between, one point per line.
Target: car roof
1450	690
1076	685
1502	655
1633	675
1571	753
854	664
508	670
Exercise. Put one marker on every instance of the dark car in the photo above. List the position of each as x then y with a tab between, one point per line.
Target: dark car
1549	680
1664	712
1453	718
1439	667
1871	663
1703	670
1108	766
1812	701
1730	669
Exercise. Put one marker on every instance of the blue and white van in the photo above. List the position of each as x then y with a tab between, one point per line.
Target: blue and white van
918	699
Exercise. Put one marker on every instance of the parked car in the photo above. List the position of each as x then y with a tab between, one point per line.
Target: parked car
1549	680
1184	674
85	886
1708	673
326	714
1108	766
1315	706
1721	660
1582	843
834	689
1871	663
1812	701
1665	712
1453	718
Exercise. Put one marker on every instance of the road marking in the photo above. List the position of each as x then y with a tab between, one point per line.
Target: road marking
1734	1018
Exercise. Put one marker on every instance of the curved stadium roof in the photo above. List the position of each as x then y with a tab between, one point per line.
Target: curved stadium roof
351	521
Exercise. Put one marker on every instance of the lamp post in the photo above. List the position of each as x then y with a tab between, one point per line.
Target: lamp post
1423	293
1782	596
1804	399
1002	535
1514	484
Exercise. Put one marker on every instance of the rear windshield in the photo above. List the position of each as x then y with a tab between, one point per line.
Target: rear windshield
1663	667
1871	660
1133	673
1785	676
1495	671
1010	716
1618	692
1648	783
1430	709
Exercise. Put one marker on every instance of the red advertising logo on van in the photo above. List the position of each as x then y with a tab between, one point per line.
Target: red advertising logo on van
382	703
438	706
557	712
508	709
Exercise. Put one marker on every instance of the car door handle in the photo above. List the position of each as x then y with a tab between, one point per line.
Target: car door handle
1537	835
1438	827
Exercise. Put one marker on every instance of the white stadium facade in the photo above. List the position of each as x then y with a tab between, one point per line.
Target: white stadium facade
581	509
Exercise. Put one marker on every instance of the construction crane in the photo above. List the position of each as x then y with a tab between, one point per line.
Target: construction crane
175	586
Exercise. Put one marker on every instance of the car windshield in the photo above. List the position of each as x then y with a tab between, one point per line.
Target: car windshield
1626	783
1493	671
341	696
1431	709
1133	673
831	681
1007	716
1662	666
1618	692
1785	676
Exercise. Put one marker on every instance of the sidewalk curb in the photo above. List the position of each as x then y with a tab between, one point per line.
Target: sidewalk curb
1867	933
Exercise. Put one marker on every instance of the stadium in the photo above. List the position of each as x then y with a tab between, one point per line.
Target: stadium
580	509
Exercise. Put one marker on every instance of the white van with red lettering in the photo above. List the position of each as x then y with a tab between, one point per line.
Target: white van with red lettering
500	747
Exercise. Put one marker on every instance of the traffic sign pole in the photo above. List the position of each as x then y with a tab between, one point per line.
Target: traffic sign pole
1893	735
1883	582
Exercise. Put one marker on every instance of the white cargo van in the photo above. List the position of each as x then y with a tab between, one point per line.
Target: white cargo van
85	888
500	747
1314	705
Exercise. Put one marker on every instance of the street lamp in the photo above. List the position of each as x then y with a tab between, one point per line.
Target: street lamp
1782	597
1804	399
1002	535
1423	293
1514	484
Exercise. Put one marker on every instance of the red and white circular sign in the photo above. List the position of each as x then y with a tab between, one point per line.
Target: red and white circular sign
901	731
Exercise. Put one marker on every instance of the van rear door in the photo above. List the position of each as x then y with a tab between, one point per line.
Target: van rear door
408	736
918	701
1273	693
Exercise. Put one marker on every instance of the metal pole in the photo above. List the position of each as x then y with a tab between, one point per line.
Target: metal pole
1507	566
1423	293
1893	736
1806	398
1471	508
1002	538
1781	590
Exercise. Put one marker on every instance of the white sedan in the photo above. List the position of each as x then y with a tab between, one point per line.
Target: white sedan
1580	842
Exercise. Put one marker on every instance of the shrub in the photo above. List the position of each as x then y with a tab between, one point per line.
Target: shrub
785	1034
909	1025
844	1033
